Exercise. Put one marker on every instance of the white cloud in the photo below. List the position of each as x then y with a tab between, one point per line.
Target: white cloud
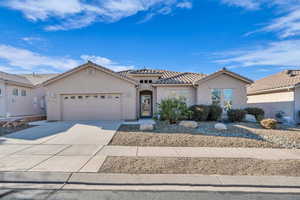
284	53
105	62
185	4
247	4
80	13
29	60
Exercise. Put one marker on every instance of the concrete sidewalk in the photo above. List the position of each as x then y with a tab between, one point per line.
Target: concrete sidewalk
210	152
96	181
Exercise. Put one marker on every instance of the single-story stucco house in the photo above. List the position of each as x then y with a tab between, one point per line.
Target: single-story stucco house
22	95
93	92
278	92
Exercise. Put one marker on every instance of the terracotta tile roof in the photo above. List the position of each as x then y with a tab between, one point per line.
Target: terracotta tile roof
286	78
182	78
167	77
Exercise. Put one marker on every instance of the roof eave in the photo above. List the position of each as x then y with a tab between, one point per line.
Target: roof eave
274	90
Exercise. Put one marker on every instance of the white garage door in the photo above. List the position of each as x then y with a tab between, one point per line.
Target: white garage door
91	107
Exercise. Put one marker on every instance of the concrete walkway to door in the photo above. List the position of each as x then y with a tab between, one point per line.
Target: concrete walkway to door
57	146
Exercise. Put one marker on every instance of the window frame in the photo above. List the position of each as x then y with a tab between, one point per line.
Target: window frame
15	92
23	93
222	97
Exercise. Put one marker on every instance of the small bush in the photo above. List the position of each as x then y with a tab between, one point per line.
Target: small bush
215	113
259	118
257	112
236	115
269	123
173	110
200	112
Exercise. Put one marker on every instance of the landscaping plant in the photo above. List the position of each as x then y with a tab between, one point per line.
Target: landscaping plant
215	112
236	115
173	110
200	112
257	112
269	123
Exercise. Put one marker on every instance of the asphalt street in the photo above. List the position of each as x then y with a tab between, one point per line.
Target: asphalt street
17	194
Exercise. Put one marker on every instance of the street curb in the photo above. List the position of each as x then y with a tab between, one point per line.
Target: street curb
191	180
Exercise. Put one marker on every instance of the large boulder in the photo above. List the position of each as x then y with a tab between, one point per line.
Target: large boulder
146	127
188	124
220	126
250	118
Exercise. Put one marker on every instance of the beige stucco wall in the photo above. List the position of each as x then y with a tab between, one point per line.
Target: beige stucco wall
273	102
24	105
297	103
2	99
83	82
188	92
223	82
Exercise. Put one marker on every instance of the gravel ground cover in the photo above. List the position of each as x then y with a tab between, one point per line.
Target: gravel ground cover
5	131
130	135
205	166
236	135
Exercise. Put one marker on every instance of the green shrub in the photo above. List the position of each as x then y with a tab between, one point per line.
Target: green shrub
173	110
215	113
199	112
257	112
236	115
269	123
259	118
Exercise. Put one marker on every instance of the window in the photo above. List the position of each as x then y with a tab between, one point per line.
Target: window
66	97
87	97
95	96
227	99
223	98
72	97
80	97
150	81
146	81
102	97
141	81
216	96
23	93
15	92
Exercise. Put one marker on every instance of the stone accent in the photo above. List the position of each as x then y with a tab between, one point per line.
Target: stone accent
188	124
220	126
146	127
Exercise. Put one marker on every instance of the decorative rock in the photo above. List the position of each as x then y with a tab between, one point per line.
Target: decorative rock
146	127
188	124
250	118
220	126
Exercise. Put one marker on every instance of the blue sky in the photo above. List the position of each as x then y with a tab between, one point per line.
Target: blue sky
252	37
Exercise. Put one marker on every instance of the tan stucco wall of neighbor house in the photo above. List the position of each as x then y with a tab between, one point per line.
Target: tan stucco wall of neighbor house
271	103
31	104
297	103
85	82
2	99
188	92
223	82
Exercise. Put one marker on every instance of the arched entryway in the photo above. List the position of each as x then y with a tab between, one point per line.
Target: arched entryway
146	101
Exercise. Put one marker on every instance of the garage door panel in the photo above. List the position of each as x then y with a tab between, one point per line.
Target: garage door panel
91	107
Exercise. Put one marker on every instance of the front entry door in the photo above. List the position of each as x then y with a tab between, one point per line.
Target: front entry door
146	105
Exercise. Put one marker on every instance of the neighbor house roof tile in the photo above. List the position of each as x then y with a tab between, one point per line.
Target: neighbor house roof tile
284	79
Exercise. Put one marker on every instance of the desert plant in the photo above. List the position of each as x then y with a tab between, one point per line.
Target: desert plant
257	112
259	118
279	115
269	123
215	112
236	115
199	112
173	110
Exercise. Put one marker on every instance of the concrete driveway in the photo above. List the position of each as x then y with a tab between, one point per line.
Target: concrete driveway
57	146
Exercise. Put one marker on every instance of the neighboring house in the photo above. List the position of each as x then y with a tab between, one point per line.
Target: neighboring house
93	92
22	95
278	92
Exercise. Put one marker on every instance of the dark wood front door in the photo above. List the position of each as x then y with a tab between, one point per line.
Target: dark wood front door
146	104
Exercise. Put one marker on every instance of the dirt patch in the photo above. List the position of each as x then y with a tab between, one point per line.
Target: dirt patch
205	166
129	135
